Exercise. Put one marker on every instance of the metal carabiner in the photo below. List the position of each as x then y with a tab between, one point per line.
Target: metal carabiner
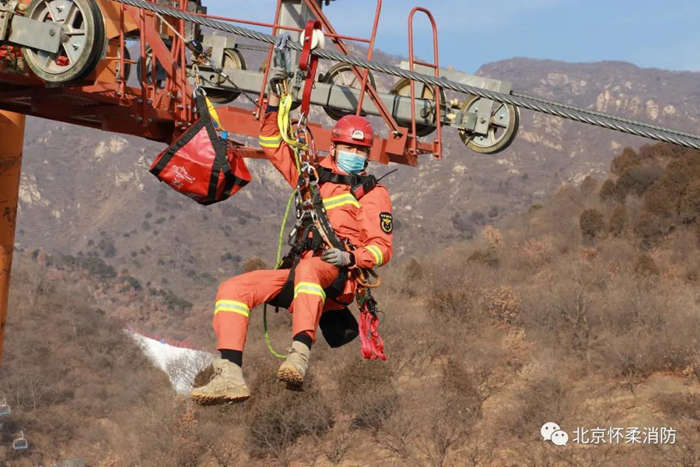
363	278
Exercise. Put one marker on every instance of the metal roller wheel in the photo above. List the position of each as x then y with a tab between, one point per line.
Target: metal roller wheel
423	91
341	74
505	119
233	60
82	35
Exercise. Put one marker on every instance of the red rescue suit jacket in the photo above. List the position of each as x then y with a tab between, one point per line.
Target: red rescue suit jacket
367	223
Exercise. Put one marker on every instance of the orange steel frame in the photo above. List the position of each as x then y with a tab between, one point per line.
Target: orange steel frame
162	111
437	144
11	142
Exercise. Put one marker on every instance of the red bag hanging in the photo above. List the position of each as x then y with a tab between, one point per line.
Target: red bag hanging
200	164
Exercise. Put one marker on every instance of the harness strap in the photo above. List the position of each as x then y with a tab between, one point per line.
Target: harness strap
360	185
284	298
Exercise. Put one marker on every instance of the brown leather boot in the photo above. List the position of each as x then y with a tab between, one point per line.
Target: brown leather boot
293	369
227	385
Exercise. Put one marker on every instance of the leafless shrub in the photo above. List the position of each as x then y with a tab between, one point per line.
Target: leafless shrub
644	327
591	224
646	266
637	180
412	275
608	191
628	158
543	397
339	446
454	413
502	304
650	229
560	314
487	256
368	393
276	426
689	208
679	404
397	433
618	221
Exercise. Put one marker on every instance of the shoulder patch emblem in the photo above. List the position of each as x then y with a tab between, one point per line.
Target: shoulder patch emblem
386	222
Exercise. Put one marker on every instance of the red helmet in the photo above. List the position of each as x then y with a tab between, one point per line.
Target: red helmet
353	129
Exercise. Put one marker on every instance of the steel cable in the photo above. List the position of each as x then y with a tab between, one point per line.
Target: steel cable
517	99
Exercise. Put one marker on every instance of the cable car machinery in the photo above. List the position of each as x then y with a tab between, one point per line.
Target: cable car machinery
69	60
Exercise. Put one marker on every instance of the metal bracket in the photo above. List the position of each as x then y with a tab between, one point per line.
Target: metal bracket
483	117
5	17
35	34
218	44
480	121
468	121
7	11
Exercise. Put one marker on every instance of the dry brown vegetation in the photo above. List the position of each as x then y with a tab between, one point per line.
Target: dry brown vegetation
582	311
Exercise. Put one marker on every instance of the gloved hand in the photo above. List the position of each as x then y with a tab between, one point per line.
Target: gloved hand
338	257
276	76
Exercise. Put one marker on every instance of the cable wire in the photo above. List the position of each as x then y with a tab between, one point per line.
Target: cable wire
536	104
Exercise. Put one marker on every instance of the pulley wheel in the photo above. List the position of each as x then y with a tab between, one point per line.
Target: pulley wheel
233	60
503	126
423	91
341	74
83	40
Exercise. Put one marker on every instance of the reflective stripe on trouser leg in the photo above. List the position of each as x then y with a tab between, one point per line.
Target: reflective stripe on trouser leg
235	300
312	275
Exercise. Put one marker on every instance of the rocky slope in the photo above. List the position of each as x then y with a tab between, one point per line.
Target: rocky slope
89	192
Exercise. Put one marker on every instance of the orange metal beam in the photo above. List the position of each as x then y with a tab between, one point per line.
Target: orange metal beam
11	142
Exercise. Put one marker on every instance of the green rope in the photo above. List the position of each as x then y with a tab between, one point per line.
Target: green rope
267	337
278	261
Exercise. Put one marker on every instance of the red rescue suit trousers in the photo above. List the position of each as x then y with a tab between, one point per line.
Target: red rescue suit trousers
238	296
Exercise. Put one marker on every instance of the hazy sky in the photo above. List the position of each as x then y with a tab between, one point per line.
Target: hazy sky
646	33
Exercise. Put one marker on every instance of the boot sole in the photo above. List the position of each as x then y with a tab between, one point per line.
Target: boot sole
290	376
212	400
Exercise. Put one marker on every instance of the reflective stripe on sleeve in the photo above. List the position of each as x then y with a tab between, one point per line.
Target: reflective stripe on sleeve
377	253
309	288
340	200
270	141
232	306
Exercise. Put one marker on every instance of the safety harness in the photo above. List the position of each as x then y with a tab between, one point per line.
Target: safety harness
312	230
308	234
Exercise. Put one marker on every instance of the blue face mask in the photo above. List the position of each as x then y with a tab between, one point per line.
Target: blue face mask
350	162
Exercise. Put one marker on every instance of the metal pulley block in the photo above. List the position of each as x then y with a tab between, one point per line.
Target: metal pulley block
424	92
64	39
223	60
488	133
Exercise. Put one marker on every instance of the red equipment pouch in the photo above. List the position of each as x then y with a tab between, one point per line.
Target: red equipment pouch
200	164
372	344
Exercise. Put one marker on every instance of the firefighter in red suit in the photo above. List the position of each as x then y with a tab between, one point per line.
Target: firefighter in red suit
365	223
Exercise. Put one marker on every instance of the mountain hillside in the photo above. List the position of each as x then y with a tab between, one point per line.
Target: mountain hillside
581	311
88	193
